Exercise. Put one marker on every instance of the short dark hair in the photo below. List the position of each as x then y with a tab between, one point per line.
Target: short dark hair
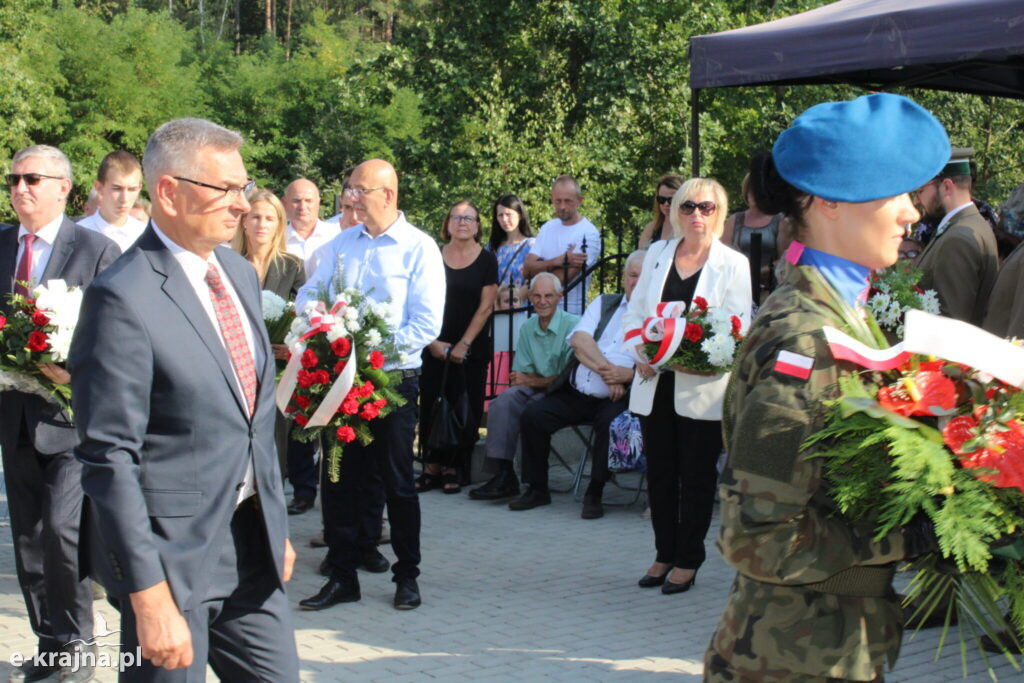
121	161
509	201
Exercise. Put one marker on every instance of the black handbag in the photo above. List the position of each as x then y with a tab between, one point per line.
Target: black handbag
447	421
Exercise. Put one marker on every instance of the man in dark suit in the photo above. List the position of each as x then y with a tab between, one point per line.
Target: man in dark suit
961	260
173	388
37	438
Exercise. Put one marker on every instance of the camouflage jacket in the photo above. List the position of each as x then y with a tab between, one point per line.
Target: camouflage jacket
779	527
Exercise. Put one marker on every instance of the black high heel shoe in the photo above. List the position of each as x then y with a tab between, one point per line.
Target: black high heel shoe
671	588
648	581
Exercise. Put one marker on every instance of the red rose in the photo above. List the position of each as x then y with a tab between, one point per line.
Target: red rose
366	390
701	303
301	420
303	401
341	346
350	406
40	319
37	341
376	360
3	322
305	379
309	359
693	332
369	411
338	367
346	434
380	403
322	377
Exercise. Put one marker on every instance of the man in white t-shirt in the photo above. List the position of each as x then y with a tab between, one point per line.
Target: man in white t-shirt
117	186
306	233
568	238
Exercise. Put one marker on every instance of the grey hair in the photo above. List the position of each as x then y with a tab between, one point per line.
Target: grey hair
47	152
637	255
172	147
555	282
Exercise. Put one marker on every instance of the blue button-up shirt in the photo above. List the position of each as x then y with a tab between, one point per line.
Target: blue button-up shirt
402	263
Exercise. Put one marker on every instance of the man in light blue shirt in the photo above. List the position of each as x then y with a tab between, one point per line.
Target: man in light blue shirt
386	258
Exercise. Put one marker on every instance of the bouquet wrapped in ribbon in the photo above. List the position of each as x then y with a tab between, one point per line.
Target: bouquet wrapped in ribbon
935	426
702	340
38	330
335	384
278	315
894	291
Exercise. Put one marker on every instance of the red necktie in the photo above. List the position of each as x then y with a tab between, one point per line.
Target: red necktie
234	336
24	272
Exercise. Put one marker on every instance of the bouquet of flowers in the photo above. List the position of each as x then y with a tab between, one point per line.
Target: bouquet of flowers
334	384
894	291
703	340
38	330
278	315
943	438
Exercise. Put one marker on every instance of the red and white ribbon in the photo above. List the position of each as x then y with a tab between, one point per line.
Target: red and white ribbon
665	328
845	347
960	342
320	322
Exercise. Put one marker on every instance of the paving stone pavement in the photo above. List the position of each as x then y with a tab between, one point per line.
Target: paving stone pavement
509	596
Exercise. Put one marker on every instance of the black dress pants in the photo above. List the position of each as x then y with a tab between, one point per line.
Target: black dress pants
561	408
682	454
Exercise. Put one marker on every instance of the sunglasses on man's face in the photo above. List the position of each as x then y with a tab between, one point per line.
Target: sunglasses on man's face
663	200
30	178
688	207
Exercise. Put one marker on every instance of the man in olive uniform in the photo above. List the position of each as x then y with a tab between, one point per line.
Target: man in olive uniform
961	260
1005	316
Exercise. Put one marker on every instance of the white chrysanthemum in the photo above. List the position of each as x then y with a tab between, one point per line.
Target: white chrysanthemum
353	326
720	321
879	303
60	343
890	316
273	305
61	303
351	314
929	301
298	326
403	358
337	331
373	338
382	309
720	349
351	293
310	307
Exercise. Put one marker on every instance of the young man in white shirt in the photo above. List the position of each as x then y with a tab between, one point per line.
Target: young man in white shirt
567	238
306	233
118	184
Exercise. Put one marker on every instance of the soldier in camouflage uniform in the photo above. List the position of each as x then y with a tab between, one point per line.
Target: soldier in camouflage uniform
812	599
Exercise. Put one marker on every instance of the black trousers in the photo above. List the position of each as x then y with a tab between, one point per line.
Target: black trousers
347	507
469	378
243	627
302	471
562	408
682	455
44	494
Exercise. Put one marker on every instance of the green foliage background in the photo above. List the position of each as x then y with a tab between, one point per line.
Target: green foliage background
468	100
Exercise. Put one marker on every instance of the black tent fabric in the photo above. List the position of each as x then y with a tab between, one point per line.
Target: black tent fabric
972	46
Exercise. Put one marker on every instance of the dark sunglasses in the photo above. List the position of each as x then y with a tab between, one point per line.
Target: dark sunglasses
663	200
30	178
688	207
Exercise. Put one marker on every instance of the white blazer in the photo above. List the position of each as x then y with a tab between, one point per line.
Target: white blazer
725	283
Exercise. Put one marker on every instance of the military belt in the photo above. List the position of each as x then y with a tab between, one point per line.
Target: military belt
857	582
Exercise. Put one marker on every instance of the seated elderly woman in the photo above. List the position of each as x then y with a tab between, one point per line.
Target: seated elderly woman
594	388
541	356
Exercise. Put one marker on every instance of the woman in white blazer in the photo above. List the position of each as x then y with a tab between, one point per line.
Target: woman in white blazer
680	411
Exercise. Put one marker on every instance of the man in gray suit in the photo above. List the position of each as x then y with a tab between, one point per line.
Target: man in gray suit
173	390
36	437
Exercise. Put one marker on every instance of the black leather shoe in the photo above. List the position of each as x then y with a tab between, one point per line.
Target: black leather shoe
299	505
80	670
407	594
373	562
29	671
592	508
502	485
531	499
671	588
332	593
648	581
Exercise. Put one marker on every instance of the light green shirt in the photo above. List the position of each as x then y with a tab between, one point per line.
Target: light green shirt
544	351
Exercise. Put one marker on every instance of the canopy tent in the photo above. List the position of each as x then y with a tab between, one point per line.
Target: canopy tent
972	46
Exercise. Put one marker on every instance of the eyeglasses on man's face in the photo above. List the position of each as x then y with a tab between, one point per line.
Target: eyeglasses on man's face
231	191
688	207
356	192
30	178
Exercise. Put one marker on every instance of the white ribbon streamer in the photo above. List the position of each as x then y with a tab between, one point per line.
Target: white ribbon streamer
961	342
335	395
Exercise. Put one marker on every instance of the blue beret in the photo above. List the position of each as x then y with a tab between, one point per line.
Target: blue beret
873	147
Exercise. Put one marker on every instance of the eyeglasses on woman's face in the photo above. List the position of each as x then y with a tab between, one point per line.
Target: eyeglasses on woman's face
663	200
688	207
463	219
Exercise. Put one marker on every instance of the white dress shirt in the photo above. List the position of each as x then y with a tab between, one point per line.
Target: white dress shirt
402	263
308	250
944	223
195	268
610	344
554	239
41	248
124	235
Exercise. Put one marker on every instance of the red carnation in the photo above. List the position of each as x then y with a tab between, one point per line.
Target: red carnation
346	434
305	378
350	406
338	367
736	325
701	303
309	359
301	419
3	322
369	411
322	377
40	319
366	390
303	401
341	346
693	332
37	341
376	360
352	394
380	403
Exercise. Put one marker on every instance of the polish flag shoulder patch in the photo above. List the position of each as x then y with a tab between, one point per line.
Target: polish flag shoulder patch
794	365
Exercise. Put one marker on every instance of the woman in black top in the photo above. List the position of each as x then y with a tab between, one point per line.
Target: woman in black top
471	275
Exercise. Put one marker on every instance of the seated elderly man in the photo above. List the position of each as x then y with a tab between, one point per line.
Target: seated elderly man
595	389
541	356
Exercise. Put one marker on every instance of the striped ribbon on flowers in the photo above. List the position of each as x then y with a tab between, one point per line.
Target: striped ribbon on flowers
665	328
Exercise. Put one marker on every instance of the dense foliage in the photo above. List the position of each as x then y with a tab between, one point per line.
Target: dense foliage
467	99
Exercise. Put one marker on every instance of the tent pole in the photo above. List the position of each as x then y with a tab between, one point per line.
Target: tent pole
695	132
